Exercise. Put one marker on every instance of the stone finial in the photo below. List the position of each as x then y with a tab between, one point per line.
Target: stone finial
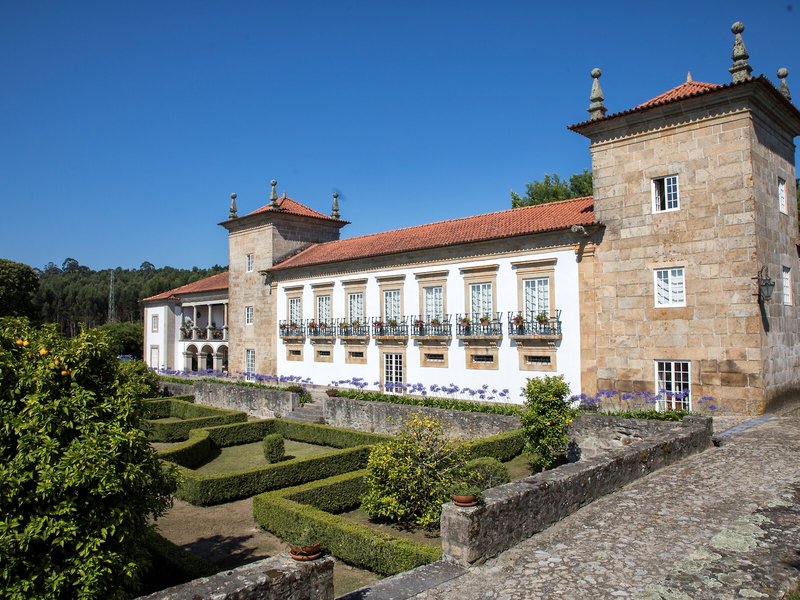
783	73
689	77
273	195
232	212
335	209
740	69
597	110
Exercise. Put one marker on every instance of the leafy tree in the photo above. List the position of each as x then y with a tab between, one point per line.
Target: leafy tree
18	287
545	420
78	480
125	338
410	477
552	188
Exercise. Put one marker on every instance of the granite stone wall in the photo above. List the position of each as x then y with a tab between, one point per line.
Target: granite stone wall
276	578
170	388
385	417
258	402
515	511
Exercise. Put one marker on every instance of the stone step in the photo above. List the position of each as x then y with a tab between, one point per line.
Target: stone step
310	413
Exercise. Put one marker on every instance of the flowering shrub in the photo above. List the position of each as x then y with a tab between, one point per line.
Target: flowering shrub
663	406
545	420
410	477
451	390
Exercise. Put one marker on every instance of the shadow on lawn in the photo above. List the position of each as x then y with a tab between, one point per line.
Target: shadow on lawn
226	551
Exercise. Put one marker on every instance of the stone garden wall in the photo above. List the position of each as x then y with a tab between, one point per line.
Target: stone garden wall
170	388
260	402
515	511
385	417
276	578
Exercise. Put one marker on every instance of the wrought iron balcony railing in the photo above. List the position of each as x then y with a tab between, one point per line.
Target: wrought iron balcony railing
532	324
431	327
479	325
291	329
347	329
389	327
320	329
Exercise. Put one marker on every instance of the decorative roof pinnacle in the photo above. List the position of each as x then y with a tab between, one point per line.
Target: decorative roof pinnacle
273	195
783	73
232	212
740	69
689	77
597	110
335	208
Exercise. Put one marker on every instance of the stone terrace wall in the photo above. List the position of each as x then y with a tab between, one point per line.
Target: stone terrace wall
385	417
276	578
260	402
515	511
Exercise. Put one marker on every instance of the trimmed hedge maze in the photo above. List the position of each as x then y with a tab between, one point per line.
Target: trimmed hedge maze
314	506
193	416
203	490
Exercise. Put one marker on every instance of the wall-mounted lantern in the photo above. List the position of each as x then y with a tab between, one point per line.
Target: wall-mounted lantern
765	285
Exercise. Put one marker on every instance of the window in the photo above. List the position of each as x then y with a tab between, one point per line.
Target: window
393	373
536	359
673	384
323	310
482	358
391	305
355	307
154	362
249	364
293	352
480	300
434	305
786	285
536	297
665	194
434	357
249	262
782	196
295	310
670	287
248	315
323	353
154	324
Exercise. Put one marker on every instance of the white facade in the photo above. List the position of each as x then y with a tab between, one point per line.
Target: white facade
509	368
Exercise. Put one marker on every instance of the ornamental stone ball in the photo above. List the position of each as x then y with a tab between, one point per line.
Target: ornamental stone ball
233	196
596	72
737	27
783	73
274	182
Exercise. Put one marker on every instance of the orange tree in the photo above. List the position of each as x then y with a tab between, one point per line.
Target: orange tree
78	480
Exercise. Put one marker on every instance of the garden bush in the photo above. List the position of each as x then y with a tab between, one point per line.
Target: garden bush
193	416
78	479
410	477
485	473
190	453
273	447
545	420
287	512
430	402
502	446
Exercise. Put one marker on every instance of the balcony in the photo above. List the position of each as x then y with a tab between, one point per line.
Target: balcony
390	329
479	327
291	330
534	326
320	331
431	329
352	331
189	333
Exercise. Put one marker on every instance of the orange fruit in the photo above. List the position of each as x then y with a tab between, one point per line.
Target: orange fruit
43	352
19	342
26	343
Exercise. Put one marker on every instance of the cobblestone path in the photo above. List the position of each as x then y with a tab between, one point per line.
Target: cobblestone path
721	524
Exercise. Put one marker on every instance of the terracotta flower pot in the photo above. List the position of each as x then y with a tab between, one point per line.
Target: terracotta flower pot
302	553
464	501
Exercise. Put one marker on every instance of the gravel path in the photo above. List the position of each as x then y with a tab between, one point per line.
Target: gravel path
721	524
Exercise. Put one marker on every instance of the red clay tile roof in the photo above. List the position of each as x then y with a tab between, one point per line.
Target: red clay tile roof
504	224
287	205
684	90
674	95
208	284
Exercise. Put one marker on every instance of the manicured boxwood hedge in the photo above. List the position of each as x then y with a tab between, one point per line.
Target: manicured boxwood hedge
194	416
430	401
503	446
203	490
287	512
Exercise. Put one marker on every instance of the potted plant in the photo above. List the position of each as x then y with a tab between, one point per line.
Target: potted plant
392	322
465	321
356	324
304	546
485	320
435	322
312	324
519	321
542	318
419	323
465	494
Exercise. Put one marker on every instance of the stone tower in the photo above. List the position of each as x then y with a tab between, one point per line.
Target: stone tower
256	242
696	190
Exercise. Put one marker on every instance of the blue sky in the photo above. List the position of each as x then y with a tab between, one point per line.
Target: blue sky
124	127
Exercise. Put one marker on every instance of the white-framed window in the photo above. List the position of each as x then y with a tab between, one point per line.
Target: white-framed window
391	305
393	373
355	307
154	360
249	262
673	384
295	310
536	297
670	287
154	324
248	315
434	302
480	300
782	196
665	194
323	310
249	363
786	285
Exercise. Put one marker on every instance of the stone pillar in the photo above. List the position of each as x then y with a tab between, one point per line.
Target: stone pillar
187	361
218	361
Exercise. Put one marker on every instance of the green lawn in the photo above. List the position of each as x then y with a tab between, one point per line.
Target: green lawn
519	467
248	456
415	535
